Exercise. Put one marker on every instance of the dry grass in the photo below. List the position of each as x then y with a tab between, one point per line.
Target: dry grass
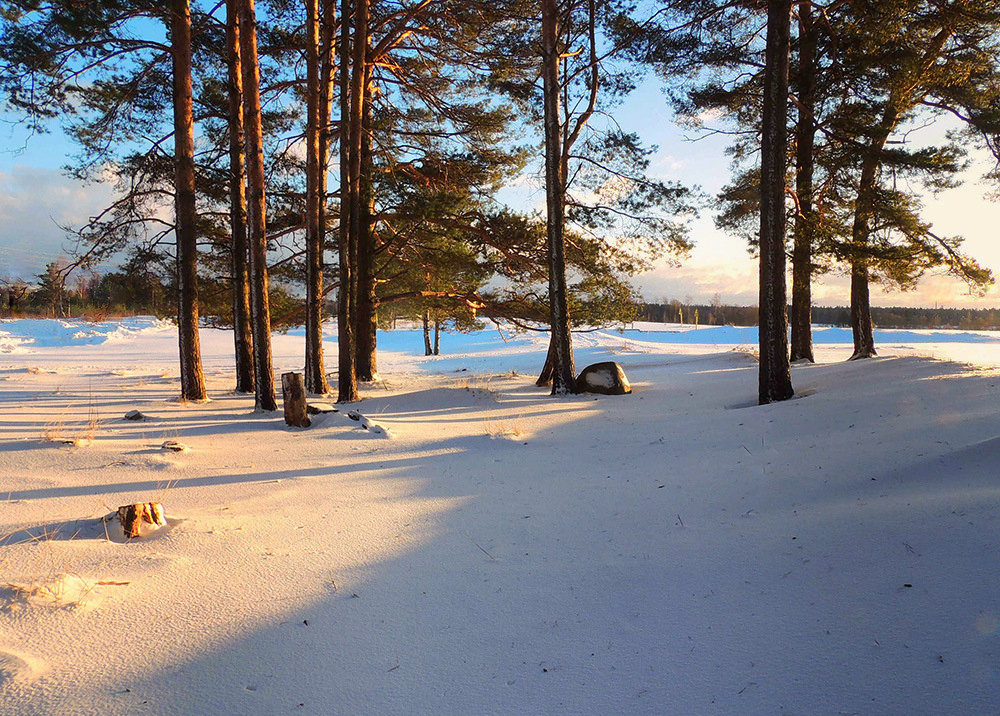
57	586
509	429
59	590
481	386
748	350
78	433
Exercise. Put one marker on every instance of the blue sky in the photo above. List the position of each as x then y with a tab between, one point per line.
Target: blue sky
36	199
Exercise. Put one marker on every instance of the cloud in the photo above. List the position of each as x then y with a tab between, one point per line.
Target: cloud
698	280
34	203
735	281
666	167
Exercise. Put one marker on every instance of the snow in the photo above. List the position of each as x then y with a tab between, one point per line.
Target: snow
679	550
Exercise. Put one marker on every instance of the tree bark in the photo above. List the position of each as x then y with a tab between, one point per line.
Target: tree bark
427	332
861	312
133	516
347	382
367	317
315	372
437	336
563	374
545	377
243	341
805	219
775	381
864	207
192	376
256	211
293	399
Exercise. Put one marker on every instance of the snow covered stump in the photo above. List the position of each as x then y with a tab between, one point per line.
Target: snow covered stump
132	517
293	394
607	378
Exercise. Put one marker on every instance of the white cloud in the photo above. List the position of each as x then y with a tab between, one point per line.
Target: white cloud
735	280
34	203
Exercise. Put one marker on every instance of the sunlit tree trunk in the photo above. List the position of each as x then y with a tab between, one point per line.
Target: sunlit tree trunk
256	211
315	372
545	377
350	160
243	341
192	376
427	332
367	318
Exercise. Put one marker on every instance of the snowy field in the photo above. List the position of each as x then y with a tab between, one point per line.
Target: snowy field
676	551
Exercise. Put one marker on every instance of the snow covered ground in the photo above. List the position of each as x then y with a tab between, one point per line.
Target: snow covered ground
676	551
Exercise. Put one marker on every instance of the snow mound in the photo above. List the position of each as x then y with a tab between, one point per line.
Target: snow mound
58	591
19	668
47	333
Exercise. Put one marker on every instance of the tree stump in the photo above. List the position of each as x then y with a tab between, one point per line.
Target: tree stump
132	517
293	394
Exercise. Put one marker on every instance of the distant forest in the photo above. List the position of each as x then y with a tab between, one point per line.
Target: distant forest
118	293
717	314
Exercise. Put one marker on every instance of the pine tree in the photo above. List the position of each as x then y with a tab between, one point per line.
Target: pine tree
556	158
186	214
256	211
317	114
84	64
775	382
804	232
239	247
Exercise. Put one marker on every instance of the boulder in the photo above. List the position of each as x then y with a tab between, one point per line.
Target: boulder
606	378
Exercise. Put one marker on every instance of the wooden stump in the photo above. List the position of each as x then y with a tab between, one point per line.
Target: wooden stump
293	394
132	517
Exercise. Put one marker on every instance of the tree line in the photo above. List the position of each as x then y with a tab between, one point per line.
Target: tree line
719	314
358	148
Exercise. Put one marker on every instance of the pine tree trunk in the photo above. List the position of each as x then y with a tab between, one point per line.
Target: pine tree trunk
367	317
192	376
861	312
437	337
805	219
347	382
563	373
427	332
775	381
243	341
315	372
545	377
256	211
861	315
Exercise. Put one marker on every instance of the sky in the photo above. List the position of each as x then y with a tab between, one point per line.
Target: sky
37	200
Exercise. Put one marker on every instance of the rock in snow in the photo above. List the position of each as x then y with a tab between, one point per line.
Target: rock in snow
607	378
